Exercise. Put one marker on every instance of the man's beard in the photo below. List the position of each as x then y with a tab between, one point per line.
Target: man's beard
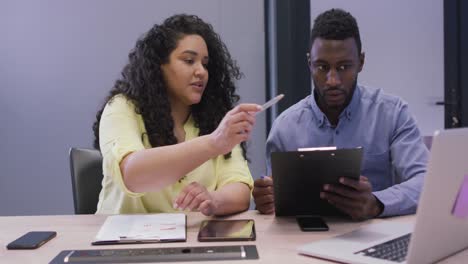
320	95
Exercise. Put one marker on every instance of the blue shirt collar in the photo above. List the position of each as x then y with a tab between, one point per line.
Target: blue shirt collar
352	107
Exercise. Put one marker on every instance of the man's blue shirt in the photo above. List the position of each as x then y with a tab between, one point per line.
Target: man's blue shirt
395	156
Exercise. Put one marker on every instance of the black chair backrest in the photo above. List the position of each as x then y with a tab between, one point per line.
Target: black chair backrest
86	178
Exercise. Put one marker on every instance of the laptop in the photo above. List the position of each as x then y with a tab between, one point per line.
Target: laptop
436	233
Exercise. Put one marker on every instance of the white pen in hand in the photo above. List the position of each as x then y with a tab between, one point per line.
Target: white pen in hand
273	101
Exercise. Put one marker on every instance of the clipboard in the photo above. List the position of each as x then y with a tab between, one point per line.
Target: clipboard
142	228
299	176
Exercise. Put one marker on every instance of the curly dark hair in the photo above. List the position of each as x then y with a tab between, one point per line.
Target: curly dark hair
142	80
335	24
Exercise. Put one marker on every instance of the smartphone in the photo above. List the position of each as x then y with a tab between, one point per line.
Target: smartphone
227	230
312	223
32	240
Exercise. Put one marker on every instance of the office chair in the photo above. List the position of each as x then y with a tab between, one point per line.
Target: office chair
86	177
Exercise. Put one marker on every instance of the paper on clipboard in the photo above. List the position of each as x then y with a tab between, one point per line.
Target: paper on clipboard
147	228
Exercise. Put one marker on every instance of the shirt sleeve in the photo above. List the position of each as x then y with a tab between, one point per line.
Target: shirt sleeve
234	169
274	143
119	135
409	158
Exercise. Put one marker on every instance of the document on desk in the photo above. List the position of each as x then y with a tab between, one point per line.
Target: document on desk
142	228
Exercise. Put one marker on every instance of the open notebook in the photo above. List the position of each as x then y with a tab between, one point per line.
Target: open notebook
142	228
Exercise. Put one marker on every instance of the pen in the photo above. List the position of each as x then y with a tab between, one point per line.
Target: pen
273	101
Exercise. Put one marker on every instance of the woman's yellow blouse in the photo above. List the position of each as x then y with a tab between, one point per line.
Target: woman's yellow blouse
121	132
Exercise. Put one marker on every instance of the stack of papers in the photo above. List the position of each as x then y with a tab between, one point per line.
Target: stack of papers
147	228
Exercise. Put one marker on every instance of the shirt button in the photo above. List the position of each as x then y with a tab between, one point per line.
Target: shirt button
337	132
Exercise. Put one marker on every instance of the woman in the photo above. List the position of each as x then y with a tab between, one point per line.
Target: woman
169	134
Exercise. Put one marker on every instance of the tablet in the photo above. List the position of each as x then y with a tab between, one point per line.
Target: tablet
227	230
299	176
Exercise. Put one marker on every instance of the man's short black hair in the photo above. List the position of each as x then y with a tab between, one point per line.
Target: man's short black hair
335	24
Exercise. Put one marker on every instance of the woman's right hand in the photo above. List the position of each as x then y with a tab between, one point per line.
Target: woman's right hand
235	127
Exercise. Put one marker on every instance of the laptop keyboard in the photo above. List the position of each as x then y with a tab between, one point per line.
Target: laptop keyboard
393	250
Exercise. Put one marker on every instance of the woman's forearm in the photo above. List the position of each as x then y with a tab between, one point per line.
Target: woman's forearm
155	168
231	198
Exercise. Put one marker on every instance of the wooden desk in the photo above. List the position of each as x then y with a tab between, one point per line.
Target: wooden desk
277	238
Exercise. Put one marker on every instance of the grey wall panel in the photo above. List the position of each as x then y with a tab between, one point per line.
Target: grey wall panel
58	60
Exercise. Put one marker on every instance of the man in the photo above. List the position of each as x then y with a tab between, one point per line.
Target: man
345	114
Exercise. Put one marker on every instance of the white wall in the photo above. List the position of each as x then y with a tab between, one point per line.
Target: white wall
59	59
404	45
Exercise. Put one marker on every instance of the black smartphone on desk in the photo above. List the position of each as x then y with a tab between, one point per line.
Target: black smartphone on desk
32	240
312	223
227	230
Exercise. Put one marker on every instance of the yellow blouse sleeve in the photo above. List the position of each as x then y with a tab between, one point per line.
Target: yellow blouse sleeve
120	133
234	169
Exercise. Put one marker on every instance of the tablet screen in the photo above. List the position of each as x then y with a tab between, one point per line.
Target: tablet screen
227	230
